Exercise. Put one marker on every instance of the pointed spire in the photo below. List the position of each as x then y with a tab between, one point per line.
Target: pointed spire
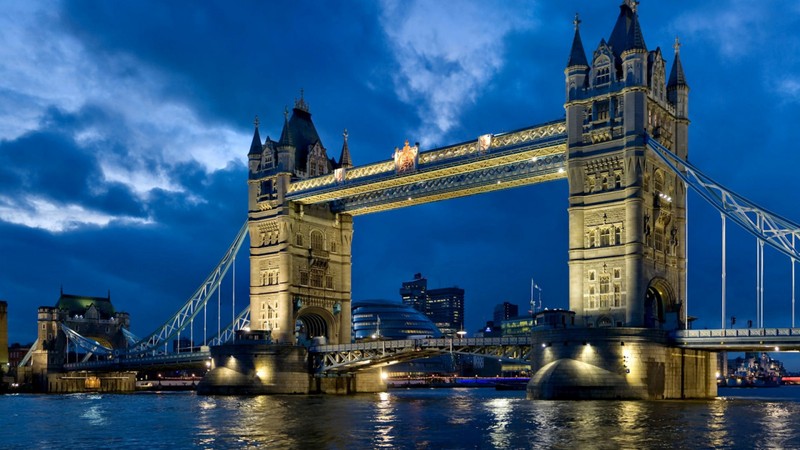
255	146
627	33
577	56
344	159
286	136
676	76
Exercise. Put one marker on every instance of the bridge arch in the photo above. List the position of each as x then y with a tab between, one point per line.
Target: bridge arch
314	321
660	303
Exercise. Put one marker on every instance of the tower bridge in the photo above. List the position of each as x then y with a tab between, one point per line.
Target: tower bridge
623	148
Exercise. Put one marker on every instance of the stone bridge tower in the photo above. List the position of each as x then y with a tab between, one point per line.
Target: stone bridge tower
627	210
299	255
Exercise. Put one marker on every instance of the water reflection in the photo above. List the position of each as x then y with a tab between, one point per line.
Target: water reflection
500	408
384	422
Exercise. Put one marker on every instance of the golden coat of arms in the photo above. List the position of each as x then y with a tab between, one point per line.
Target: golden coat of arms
405	159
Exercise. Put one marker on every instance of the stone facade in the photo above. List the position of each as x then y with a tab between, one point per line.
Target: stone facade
627	209
299	254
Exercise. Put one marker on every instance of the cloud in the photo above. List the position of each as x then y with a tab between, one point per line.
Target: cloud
109	104
446	54
36	212
736	28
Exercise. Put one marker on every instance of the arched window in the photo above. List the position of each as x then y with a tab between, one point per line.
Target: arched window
605	286
617	180
617	235
317	240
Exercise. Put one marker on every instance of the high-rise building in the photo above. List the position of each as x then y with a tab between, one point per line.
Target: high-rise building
414	293
504	311
444	306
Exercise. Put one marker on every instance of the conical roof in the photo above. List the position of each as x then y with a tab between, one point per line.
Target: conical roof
344	159
676	76
577	56
627	33
256	146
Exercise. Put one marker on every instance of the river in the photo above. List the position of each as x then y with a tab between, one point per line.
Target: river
461	418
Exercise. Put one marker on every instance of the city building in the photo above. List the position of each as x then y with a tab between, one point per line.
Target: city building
504	311
382	319
444	306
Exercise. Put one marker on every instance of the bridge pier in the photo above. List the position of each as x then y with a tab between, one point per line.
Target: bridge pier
617	363
248	368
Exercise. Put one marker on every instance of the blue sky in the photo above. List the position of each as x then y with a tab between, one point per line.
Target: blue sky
124	129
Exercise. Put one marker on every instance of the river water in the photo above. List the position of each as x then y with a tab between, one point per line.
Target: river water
479	418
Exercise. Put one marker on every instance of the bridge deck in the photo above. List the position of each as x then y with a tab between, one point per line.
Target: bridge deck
747	339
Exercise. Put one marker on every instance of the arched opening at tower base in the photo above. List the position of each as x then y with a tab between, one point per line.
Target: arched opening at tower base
661	308
313	323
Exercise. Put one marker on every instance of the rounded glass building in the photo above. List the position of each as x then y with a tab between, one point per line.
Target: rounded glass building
382	319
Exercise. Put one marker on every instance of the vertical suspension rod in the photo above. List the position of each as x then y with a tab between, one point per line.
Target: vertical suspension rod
219	306
724	315
233	301
686	253
793	262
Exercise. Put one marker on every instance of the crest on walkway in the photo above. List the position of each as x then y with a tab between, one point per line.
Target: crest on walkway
405	160
484	142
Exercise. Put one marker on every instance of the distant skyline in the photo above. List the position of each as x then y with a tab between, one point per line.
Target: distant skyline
124	130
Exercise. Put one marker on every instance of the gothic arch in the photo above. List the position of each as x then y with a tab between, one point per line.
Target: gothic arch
659	303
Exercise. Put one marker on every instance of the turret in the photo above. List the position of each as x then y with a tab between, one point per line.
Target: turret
577	67
678	96
256	148
286	148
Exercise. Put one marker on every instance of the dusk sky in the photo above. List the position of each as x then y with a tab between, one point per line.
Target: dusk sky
125	127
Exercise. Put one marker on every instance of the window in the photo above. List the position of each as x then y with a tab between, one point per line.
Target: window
617	235
601	108
592	298
298	240
605	237
333	246
603	75
329	282
605	183
303	278
592	275
316	279
592	239
604	291
317	240
617	295
617	180
617	273
659	238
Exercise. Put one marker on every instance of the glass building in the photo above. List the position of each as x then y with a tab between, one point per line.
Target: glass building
376	319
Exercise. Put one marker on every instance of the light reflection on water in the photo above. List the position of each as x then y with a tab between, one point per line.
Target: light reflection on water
415	418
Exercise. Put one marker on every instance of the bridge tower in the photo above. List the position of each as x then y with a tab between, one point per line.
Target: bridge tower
299	255
627	210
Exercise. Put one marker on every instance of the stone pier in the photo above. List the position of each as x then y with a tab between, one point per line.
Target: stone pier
617	363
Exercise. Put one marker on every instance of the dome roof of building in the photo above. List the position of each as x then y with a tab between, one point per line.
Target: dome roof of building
397	321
